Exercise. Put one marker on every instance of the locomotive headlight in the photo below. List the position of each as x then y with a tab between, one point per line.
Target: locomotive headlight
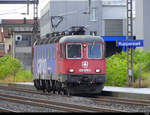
71	70
98	70
84	45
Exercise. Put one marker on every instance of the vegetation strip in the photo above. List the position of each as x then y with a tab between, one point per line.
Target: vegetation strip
11	70
116	69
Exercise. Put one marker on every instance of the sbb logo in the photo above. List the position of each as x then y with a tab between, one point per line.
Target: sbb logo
84	64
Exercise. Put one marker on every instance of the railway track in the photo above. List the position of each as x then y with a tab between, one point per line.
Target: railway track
122	100
52	104
114	100
97	98
6	110
14	88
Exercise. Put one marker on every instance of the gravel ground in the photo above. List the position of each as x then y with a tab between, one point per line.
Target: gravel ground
24	108
73	100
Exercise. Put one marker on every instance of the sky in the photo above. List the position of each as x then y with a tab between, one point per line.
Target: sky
17	11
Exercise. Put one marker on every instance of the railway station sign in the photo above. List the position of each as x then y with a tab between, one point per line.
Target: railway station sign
130	43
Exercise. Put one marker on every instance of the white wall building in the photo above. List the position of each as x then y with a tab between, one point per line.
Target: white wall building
143	21
114	17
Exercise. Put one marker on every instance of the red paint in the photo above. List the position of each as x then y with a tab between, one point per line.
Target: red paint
63	65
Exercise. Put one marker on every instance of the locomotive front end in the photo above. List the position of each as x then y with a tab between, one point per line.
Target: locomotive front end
84	64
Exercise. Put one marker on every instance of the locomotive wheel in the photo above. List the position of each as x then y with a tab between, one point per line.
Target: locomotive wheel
50	83
43	85
67	92
58	87
53	86
37	82
48	87
62	92
35	85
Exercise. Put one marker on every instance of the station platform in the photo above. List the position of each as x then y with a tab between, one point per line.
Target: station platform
127	92
122	92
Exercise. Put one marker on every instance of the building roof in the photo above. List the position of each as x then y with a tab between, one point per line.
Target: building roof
17	21
14	22
81	39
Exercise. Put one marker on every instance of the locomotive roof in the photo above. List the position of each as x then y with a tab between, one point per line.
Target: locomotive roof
81	38
70	38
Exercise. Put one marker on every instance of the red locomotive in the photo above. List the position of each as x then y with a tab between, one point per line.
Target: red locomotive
72	64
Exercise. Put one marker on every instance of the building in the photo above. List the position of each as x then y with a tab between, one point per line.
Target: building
18	39
114	17
142	22
2	44
107	19
60	15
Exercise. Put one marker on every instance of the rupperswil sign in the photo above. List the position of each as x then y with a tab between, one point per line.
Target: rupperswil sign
130	43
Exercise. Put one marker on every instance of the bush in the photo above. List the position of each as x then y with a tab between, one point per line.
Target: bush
9	66
116	67
11	70
116	70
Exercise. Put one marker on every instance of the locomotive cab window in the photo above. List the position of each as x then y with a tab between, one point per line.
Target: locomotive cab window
63	50
74	51
94	51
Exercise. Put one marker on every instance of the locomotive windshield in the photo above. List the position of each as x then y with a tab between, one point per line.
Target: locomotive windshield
74	51
94	51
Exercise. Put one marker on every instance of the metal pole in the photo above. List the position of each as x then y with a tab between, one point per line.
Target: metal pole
129	50
35	17
89	6
13	45
35	26
140	76
27	7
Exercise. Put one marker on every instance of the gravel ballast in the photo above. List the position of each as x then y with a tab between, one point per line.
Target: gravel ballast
72	100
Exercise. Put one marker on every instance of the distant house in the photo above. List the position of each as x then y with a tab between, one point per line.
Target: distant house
18	39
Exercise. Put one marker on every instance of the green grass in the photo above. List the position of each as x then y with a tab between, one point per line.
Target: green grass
116	69
11	71
23	76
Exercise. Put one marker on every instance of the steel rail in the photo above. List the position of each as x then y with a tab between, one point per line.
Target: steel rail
53	104
21	89
39	104
98	98
123	100
6	110
14	88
